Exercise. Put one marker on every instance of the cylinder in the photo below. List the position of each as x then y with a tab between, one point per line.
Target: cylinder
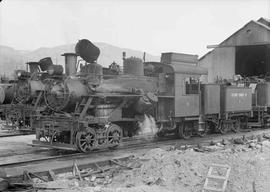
70	63
63	95
133	66
45	63
87	50
55	70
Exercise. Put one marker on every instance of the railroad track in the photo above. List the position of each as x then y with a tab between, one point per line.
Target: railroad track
15	133
130	145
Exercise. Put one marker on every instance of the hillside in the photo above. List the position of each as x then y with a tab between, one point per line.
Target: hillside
11	59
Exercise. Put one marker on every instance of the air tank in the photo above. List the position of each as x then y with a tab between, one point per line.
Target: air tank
70	63
263	94
133	66
63	95
87	50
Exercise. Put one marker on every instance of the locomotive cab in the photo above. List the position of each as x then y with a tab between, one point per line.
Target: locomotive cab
178	108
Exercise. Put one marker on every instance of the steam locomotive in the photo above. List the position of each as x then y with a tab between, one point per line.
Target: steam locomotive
93	110
20	99
23	98
89	107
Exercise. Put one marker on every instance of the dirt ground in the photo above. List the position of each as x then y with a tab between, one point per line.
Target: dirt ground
175	168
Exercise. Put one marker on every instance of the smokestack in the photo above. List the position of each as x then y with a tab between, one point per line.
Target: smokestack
70	63
34	67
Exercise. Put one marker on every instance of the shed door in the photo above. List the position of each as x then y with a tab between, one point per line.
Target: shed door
252	60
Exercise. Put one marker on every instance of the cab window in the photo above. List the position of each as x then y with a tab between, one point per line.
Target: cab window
191	85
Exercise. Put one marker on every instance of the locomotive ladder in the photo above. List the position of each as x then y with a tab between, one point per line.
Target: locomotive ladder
216	178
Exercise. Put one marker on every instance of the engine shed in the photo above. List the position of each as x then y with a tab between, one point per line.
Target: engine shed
246	52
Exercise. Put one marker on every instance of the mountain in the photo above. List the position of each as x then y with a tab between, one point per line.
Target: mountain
11	59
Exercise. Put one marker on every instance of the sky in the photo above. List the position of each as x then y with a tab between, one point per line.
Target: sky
154	26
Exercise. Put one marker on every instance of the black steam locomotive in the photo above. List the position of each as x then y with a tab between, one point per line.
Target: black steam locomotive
23	98
90	107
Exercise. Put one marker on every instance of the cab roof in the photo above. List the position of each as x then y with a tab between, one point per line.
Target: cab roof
180	68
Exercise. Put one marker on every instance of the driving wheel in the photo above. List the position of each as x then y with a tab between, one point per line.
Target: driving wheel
114	135
86	140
